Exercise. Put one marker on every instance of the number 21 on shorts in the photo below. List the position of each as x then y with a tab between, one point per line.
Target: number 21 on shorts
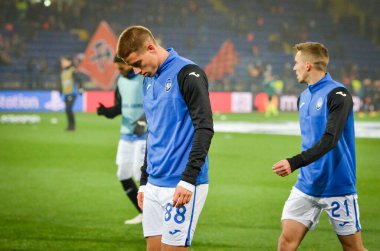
336	206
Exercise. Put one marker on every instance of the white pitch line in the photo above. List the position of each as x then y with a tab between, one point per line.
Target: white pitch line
362	129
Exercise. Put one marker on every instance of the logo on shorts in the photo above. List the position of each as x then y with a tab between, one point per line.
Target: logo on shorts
343	224
174	231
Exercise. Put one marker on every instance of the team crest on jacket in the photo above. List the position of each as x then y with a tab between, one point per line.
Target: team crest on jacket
168	84
319	104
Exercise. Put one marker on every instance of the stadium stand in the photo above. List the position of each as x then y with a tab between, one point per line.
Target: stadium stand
33	36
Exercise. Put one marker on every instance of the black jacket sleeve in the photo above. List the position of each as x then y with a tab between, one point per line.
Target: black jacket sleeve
193	84
340	104
115	110
144	174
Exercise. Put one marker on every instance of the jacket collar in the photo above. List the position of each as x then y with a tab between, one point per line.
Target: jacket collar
317	86
172	55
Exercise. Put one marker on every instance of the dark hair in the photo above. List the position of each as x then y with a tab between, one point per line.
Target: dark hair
118	59
66	57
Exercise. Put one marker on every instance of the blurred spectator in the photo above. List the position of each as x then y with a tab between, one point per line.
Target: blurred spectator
357	88
275	43
43	71
18	47
289	80
255	50
22	8
71	87
4	57
5	46
261	30
260	22
256	77
270	90
376	96
250	37
32	73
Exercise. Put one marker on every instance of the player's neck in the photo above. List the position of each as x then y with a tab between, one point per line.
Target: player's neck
162	55
315	77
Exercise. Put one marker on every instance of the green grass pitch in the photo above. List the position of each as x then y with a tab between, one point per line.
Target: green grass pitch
59	191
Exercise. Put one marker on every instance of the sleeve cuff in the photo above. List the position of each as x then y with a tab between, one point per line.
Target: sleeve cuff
187	186
142	189
295	162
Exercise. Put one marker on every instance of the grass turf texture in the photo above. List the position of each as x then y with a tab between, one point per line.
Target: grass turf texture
59	191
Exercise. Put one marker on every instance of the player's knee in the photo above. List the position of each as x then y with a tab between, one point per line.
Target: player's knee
352	242
123	172
350	247
123	176
137	177
137	173
286	243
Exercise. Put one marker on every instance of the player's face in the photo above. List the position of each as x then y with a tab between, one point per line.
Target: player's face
301	68
65	63
144	62
123	68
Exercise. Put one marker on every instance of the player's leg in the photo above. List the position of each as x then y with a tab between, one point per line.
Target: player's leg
131	191
291	236
153	243
344	215
268	107
138	158
152	217
125	152
298	216
69	100
180	223
166	247
352	242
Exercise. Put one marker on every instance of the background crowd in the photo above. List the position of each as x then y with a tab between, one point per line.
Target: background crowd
242	45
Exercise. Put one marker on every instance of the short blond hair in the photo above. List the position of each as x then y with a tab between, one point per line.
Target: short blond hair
316	52
132	39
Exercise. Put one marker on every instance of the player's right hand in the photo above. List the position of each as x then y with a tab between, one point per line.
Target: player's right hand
140	199
101	110
282	168
181	196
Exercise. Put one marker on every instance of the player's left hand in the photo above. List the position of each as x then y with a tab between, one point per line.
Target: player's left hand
282	168
139	127
181	196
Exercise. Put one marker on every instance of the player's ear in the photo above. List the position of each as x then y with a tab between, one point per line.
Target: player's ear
151	47
308	66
